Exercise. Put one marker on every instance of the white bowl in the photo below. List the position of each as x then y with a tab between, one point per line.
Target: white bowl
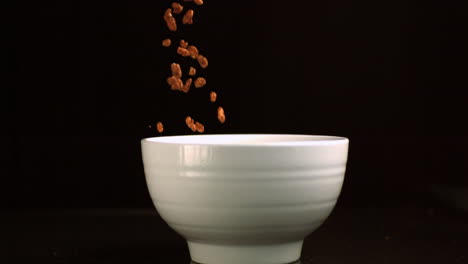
246	198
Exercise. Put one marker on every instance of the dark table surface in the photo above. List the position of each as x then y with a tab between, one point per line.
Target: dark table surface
350	235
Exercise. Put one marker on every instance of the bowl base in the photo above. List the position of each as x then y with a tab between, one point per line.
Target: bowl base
245	254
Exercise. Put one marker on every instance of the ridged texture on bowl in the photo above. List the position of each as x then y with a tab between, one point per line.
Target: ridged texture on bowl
244	194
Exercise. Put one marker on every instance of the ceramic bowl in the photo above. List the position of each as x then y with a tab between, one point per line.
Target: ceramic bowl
244	198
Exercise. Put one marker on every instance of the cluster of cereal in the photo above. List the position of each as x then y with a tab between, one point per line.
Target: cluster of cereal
185	50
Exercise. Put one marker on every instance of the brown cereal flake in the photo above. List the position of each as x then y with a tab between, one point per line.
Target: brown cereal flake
187	85
200	82
177	8
167	14
178	84
200	128
171	81
221	116
213	97
170	20
188	121
183	52
193	127
193	51
183	43
175	83
166	42
188	17
176	71
192	71
159	127
203	61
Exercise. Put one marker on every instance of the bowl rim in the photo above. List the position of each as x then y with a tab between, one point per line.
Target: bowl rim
276	140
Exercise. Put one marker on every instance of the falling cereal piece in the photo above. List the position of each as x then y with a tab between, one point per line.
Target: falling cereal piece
183	44
179	85
192	71
213	97
203	61
187	85
166	42
193	51
159	127
188	121
175	83
177	8
176	71
170	20
221	116
200	128
171	81
191	123
182	51
200	82
198	2
167	14
188	17
193	127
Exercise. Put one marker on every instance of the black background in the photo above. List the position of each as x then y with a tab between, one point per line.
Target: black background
88	78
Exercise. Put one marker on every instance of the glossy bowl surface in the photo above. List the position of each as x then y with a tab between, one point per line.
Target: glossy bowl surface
245	198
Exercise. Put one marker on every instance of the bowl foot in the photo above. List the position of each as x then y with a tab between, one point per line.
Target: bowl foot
245	254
